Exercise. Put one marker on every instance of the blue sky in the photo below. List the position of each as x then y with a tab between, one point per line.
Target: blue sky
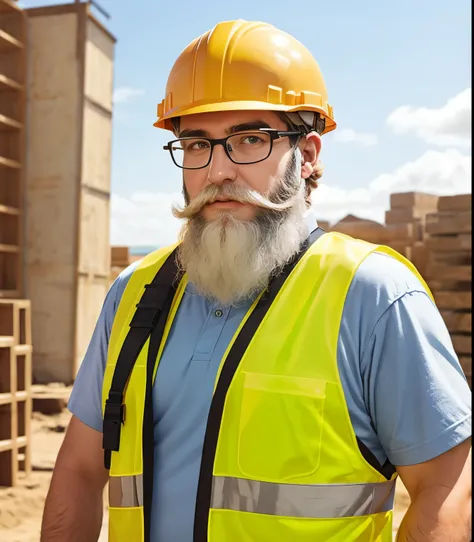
375	56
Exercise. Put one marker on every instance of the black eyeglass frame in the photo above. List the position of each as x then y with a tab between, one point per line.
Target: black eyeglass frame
272	132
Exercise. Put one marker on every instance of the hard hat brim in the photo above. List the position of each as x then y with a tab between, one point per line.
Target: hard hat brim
165	121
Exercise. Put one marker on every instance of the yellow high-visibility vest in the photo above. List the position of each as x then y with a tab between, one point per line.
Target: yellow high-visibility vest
281	460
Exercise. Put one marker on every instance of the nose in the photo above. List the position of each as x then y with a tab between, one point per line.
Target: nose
221	169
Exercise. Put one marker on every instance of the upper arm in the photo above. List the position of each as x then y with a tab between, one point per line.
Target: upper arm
414	388
82	452
418	396
85	402
450	472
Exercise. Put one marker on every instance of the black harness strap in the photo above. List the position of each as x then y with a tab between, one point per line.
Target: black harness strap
154	302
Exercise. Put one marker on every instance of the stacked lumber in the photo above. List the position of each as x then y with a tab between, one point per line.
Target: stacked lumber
360	228
449	270
407	215
15	390
120	260
400	237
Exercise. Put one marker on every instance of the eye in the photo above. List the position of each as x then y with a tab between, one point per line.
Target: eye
197	145
251	140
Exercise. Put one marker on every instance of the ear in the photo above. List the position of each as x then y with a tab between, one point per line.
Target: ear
310	152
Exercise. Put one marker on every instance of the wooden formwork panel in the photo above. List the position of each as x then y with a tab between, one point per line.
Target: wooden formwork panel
99	61
91	295
94	240
97	147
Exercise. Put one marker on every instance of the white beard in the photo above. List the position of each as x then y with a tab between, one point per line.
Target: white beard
230	261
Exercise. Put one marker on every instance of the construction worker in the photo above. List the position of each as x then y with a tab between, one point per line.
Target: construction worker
262	380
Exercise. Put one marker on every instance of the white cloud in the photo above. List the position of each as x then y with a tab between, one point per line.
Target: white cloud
126	94
449	125
145	218
348	135
434	172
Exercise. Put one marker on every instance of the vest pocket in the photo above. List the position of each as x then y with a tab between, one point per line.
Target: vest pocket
280	429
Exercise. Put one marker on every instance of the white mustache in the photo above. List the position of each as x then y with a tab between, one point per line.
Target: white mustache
231	192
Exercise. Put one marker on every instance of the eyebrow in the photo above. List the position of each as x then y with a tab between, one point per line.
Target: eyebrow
244	127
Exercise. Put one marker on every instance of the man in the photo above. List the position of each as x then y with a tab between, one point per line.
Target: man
299	371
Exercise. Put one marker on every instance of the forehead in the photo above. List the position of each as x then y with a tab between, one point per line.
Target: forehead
220	123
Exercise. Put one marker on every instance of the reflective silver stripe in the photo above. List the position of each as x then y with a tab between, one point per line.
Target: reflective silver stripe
308	501
126	491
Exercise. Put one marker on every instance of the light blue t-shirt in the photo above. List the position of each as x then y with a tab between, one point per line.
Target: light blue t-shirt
406	393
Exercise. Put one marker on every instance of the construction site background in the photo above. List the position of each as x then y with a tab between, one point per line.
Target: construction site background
56	262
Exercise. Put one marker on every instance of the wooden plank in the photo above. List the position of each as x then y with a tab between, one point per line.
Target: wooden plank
448	223
455	243
453	300
462	344
413	199
8	43
120	256
457	273
451	258
8	163
6	398
457	322
460	202
7	124
5	445
8	210
466	364
9	6
404	232
399	216
7	83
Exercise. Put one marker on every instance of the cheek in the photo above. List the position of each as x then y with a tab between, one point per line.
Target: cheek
260	177
195	182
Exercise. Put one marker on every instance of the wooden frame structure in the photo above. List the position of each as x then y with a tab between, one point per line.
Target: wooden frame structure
15	390
12	136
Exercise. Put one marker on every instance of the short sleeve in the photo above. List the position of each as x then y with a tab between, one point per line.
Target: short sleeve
417	394
86	397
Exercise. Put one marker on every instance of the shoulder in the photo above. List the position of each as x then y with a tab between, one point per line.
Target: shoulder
118	286
385	278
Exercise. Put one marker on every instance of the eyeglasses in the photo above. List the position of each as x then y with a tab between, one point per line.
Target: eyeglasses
249	147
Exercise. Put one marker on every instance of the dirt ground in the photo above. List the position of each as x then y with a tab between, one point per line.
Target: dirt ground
21	507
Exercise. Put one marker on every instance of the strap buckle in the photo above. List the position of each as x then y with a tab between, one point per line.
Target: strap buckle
114	417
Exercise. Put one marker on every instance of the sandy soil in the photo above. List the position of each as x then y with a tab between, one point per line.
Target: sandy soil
21	507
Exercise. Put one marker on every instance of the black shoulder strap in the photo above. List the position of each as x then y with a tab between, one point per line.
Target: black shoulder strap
155	301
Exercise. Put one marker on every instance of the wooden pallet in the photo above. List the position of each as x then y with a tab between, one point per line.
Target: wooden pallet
15	390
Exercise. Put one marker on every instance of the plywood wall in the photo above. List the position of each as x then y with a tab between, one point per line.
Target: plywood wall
68	183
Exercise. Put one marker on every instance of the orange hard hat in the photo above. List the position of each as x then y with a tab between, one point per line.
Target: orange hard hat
241	65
